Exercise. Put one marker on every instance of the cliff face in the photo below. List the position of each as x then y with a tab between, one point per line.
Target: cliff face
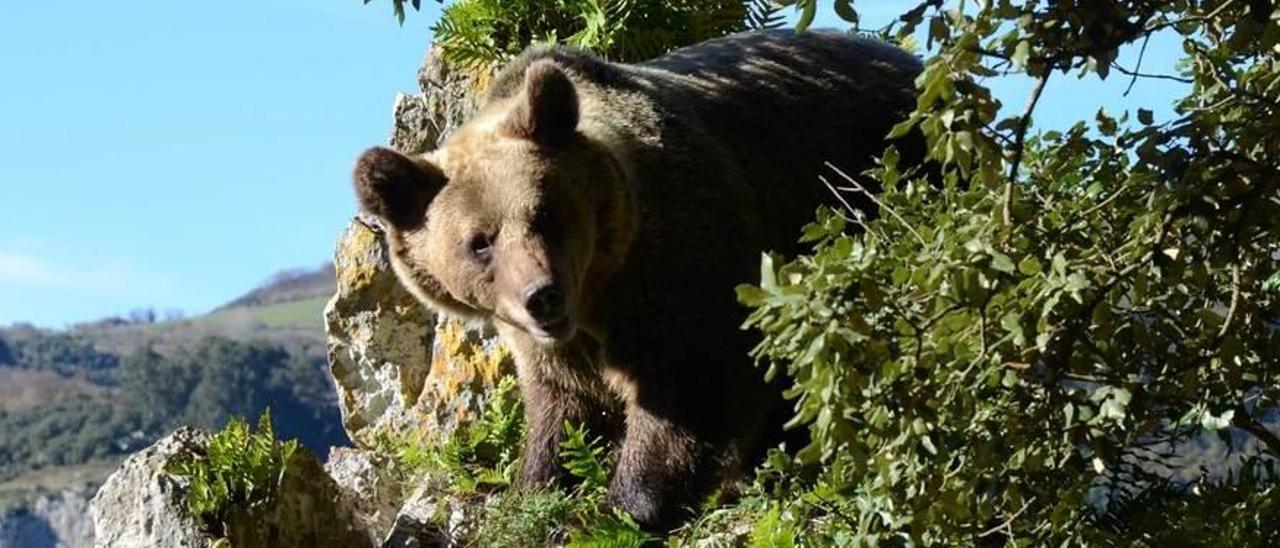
402	373
52	520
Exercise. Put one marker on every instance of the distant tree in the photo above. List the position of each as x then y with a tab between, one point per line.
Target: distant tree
158	387
233	380
6	355
61	352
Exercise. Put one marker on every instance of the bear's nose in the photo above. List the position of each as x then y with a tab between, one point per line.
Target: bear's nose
544	301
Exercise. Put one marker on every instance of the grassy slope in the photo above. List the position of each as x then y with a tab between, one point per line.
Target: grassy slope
264	313
303	314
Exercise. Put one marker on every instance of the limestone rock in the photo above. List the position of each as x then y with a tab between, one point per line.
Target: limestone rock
447	97
143	505
401	371
308	511
140	505
369	487
58	519
423	521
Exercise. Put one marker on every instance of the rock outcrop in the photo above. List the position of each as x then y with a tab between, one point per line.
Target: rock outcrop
402	373
369	486
141	505
445	99
401	370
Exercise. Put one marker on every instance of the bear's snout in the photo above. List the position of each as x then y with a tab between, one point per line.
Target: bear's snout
544	301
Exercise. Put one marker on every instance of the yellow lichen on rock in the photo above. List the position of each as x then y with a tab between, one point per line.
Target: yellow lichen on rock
353	267
399	368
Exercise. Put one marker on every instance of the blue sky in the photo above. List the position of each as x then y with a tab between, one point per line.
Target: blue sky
175	154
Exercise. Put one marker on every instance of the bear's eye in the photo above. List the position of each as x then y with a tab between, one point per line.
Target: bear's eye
480	246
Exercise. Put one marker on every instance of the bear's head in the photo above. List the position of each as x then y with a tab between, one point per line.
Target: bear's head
516	219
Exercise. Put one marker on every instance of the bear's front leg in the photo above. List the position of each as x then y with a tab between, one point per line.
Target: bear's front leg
546	409
558	386
663	470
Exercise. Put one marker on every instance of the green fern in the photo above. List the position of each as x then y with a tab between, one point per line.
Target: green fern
239	469
481	35
478	458
584	458
612	530
765	14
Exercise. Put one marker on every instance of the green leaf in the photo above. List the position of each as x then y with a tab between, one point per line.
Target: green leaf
808	9
1021	53
1145	117
1029	265
1001	262
844	9
1217	422
927	442
768	276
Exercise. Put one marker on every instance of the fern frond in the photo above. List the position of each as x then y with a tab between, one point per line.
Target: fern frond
764	14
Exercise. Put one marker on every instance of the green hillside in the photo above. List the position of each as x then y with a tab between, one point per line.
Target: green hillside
304	315
75	401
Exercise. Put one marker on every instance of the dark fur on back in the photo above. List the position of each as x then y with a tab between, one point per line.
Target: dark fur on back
757	95
744	124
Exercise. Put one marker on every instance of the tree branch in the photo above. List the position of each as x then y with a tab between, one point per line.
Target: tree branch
1142	54
1019	140
1137	75
1191	18
1245	421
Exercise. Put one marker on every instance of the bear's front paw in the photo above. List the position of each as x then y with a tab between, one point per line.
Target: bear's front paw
643	505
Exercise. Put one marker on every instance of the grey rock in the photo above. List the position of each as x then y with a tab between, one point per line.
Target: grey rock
308	511
402	371
369	486
140	505
446	98
143	505
426	519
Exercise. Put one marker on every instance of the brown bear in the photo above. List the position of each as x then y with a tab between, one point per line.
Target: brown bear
599	215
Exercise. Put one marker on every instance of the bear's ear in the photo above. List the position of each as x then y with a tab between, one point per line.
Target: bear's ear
395	187
546	111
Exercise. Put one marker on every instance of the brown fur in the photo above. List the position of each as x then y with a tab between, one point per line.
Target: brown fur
600	215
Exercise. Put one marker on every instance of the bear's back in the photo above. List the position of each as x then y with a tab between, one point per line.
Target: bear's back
784	103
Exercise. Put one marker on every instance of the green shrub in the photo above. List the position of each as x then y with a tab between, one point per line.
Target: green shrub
482	34
1020	352
240	471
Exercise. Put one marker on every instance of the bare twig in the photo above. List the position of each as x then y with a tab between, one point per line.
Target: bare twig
853	215
1103	203
1192	18
1019	140
1142	53
1235	300
860	189
1007	524
1137	74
